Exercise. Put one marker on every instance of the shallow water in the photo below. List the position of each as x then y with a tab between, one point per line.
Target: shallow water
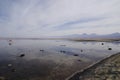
49	59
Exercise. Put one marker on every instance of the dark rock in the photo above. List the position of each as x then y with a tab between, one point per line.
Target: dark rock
109	48
79	60
63	51
102	43
81	50
22	55
10	43
13	70
76	55
41	50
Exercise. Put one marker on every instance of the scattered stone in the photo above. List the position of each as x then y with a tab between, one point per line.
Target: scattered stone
76	55
79	60
10	43
13	70
81	50
42	50
63	51
10	40
109	48
22	55
9	65
102	43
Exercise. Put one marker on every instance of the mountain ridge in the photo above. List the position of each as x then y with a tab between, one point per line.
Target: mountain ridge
93	35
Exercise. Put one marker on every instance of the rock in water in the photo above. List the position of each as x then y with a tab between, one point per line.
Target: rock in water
22	55
109	48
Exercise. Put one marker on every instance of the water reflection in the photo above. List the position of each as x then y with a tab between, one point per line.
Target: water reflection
49	59
23	69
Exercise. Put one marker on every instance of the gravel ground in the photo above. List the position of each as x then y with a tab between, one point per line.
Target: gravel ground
106	69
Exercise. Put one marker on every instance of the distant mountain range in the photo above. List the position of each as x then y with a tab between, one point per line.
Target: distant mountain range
73	36
94	36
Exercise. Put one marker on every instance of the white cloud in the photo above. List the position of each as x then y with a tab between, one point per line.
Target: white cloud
46	17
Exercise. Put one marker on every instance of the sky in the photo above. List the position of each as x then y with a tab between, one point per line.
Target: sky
39	18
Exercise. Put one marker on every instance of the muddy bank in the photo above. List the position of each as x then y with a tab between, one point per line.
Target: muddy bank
106	69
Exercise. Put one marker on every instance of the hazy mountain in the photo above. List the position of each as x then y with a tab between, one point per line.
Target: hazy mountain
90	36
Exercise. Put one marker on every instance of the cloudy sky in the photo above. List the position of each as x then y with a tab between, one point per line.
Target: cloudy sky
38	18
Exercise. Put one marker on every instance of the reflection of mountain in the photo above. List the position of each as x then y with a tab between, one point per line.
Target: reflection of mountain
91	36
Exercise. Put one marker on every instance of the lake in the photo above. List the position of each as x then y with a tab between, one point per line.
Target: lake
50	59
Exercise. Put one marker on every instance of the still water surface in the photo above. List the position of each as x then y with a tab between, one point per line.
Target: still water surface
49	59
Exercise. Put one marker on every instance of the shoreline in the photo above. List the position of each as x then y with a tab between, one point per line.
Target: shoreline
94	65
69	39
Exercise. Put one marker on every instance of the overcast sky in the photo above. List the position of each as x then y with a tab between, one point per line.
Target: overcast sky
37	18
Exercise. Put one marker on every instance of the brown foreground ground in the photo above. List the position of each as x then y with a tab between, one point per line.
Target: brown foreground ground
107	69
